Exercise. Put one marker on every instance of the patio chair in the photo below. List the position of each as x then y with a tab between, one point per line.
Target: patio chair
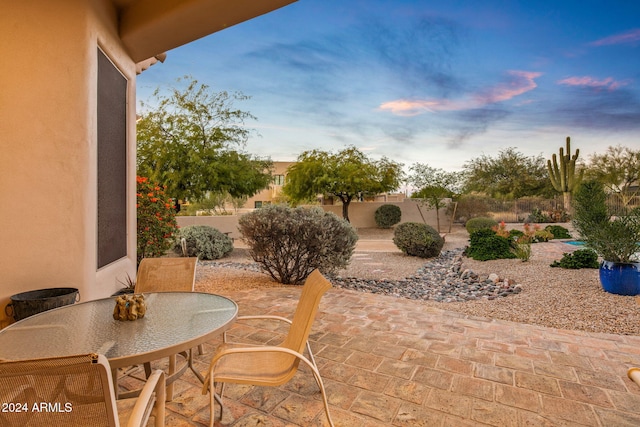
168	275
271	365
74	391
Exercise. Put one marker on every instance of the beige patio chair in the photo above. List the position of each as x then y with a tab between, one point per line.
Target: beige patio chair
168	275
271	365
74	391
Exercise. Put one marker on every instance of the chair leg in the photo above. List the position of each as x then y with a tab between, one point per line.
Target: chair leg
324	397
214	397
316	374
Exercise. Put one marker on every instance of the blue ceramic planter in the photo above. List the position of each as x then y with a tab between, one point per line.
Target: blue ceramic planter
619	278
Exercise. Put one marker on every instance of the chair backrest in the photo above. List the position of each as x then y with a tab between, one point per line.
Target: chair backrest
166	275
314	288
61	391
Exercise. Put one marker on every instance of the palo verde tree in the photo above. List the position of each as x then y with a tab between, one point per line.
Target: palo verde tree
509	175
346	175
563	174
190	140
433	186
618	170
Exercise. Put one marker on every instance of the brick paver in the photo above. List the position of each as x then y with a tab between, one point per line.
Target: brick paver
425	376
395	362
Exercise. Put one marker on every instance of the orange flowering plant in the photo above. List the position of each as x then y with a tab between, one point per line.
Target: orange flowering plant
156	219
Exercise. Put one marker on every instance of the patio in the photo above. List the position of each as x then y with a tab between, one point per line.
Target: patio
388	361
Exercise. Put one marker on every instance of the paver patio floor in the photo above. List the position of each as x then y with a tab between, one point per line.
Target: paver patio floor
396	362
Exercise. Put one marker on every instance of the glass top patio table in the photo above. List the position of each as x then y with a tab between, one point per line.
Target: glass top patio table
174	322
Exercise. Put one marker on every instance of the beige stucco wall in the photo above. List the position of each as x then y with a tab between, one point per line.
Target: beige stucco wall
361	215
48	146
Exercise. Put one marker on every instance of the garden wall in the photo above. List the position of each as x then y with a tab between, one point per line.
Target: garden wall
361	215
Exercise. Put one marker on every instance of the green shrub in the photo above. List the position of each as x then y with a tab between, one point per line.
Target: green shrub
515	234
542	236
290	243
204	242
156	219
558	231
416	239
480	223
387	216
582	258
485	244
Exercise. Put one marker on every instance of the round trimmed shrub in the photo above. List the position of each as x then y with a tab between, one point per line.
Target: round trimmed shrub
289	243
204	242
387	216
485	245
558	231
416	239
480	223
581	258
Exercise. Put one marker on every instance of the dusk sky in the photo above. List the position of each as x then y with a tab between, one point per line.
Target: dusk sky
427	81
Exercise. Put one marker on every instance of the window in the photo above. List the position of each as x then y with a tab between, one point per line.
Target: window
278	180
112	162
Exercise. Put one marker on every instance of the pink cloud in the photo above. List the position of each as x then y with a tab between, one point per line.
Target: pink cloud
631	36
519	82
609	83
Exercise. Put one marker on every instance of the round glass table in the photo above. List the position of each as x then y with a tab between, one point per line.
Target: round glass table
174	322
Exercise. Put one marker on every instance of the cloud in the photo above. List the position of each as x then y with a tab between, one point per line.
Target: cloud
610	111
587	81
629	37
517	83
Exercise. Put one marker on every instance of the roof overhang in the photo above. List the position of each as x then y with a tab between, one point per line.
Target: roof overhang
150	27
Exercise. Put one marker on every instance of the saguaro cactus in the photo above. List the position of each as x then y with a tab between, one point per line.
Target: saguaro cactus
563	175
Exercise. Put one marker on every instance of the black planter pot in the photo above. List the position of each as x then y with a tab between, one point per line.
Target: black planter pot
29	303
620	278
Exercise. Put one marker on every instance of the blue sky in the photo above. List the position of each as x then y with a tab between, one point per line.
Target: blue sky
432	82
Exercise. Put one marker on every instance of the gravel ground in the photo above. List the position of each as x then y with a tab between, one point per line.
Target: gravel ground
554	297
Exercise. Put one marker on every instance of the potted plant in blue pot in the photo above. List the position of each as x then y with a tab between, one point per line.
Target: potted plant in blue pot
615	238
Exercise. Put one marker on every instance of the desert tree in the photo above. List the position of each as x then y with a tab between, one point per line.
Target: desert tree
618	169
510	174
191	139
348	174
433	185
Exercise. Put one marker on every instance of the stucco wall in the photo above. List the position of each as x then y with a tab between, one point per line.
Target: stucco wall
361	215
48	146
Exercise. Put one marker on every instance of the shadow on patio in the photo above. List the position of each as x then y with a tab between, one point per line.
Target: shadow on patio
388	361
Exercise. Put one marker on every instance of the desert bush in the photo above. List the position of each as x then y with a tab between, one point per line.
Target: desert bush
558	231
471	206
386	216
416	239
485	244
479	223
521	249
203	241
289	243
555	215
582	258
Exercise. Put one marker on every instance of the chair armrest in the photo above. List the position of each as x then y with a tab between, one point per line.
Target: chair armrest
147	400
257	317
